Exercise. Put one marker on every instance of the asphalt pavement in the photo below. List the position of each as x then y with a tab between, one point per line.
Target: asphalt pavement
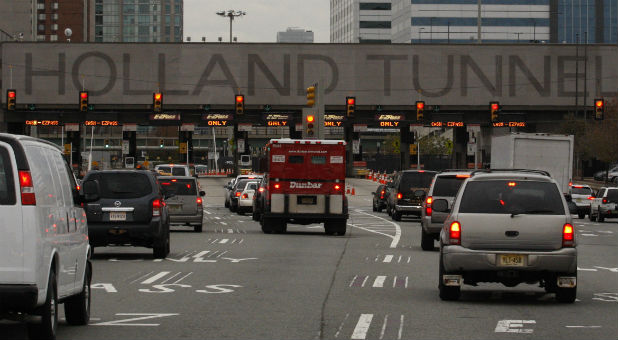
233	282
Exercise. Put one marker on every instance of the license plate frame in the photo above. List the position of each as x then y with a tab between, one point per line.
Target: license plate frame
511	260
306	200
175	208
117	216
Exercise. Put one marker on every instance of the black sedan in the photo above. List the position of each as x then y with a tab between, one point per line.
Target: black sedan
379	198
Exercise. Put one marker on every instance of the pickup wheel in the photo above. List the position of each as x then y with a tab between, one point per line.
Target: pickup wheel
566	295
46	329
162	247
77	308
426	241
447	293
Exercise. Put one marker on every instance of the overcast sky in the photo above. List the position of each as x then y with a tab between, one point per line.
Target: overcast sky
263	20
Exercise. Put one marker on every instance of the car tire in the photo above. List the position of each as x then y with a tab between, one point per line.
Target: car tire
566	295
77	308
266	225
600	217
389	211
161	248
280	226
374	208
426	241
226	204
396	216
581	215
379	209
233	208
254	216
48	326
336	228
447	293
198	228
591	217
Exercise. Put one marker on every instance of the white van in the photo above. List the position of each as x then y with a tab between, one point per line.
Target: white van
44	250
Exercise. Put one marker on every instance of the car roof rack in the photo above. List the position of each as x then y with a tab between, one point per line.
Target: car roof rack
488	171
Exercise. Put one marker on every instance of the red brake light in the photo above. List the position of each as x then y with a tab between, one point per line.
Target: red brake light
578	186
382	194
568	235
590	197
188	186
174	180
351	101
261	189
78	187
337	187
237	194
512	184
428	209
27	189
399	196
421	171
198	201
605	200
277	186
455	233
462	176
166	183
156	207
245	196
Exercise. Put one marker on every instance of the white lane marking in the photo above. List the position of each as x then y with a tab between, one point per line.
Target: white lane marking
141	277
154	278
222	253
590	235
582	326
409	257
400	333
379	281
613	270
341	326
395	281
144	316
217	217
223	223
587	269
514	326
230	231
224	241
182	278
395	239
241	240
207	212
384	326
364	281
389	258
157	260
352	282
169	278
109	288
406	282
362	326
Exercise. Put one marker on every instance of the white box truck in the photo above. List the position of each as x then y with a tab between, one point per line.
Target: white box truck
538	151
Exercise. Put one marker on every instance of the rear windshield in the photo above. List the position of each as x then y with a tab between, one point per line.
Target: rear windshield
240	185
447	185
251	186
7	190
413	180
581	191
179	186
123	185
508	197
612	196
176	171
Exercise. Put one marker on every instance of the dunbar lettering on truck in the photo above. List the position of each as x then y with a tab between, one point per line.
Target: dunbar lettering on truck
306	182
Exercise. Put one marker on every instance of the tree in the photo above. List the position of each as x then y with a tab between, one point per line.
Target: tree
435	145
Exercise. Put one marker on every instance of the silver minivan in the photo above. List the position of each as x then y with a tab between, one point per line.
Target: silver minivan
44	249
185	204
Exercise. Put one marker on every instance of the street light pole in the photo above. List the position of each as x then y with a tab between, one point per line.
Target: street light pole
231	14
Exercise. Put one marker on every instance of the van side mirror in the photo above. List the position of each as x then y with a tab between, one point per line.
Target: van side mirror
91	190
202	193
440	205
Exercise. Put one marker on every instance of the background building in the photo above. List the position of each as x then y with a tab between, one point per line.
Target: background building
16	20
136	21
295	35
592	21
358	21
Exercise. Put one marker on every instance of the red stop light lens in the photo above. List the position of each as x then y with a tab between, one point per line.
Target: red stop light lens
157	96
11	94
599	103
310	119
83	95
240	99
351	101
494	106
420	105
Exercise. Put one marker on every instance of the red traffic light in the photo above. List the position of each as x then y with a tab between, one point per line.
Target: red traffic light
351	100
11	94
310	119
240	98
420	105
598	103
495	106
83	95
157	96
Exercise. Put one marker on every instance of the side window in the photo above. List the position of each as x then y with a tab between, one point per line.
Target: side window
41	177
64	175
296	160
601	193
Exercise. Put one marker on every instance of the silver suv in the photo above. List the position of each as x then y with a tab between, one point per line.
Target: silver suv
509	227
604	204
444	186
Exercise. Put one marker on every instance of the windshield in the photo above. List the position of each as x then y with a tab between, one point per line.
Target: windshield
612	195
581	191
179	186
123	185
413	180
511	197
179	171
447	185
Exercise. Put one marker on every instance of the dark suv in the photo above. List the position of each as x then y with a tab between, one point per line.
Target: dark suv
129	210
407	191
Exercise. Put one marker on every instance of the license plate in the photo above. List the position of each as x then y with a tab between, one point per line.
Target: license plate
511	260
175	208
117	216
309	200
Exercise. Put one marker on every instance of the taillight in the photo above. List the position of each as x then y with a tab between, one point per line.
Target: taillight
277	185
261	189
568	235
382	194
237	194
399	196
245	196
455	233
337	187
27	189
590	197
198	201
428	206
156	207
605	200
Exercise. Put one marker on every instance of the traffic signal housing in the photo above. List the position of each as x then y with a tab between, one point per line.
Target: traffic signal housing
11	99
311	96
160	143
157	102
420	110
494	109
350	103
599	109
106	143
240	104
83	101
310	124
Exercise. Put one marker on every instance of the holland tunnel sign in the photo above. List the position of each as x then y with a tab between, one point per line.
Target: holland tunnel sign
541	75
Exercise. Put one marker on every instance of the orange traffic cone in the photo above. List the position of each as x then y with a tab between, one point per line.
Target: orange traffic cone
353	191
